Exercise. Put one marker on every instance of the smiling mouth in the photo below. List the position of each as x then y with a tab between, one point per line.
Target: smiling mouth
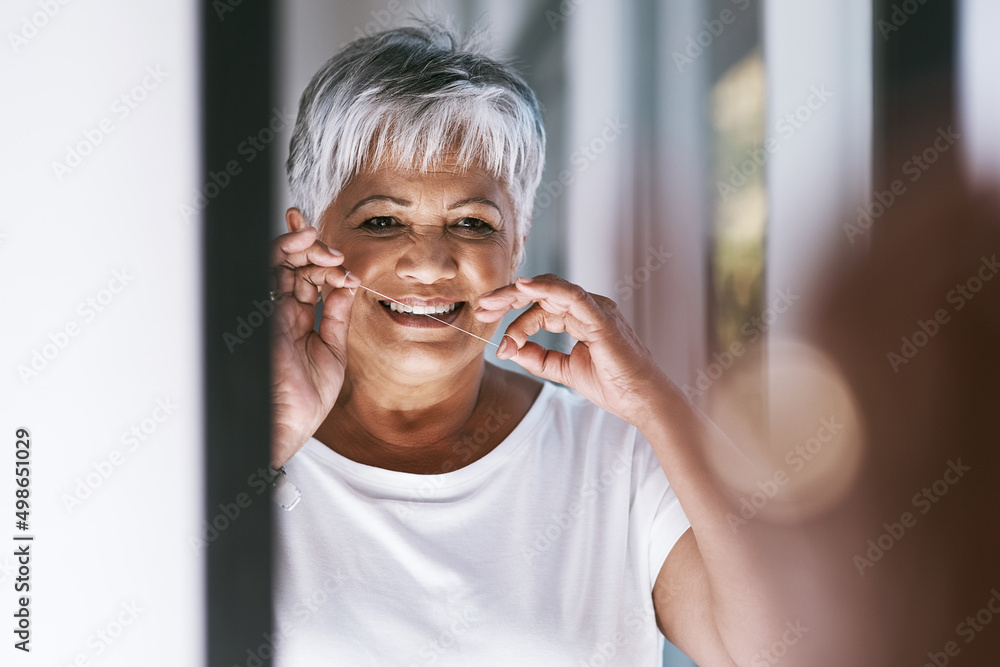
436	311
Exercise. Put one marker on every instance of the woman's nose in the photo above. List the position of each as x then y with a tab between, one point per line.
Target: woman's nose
428	260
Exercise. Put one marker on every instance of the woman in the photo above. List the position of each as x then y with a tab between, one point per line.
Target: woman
452	512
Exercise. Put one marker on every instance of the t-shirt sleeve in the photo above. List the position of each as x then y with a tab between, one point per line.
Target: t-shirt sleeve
657	520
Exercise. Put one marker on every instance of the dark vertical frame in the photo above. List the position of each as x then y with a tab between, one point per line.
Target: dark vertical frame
913	58
236	101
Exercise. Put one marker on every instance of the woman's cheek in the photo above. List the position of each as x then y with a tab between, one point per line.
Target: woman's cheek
495	263
368	261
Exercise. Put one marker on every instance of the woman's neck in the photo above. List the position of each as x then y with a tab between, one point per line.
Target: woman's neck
426	427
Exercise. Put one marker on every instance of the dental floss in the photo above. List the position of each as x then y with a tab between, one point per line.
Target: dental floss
432	317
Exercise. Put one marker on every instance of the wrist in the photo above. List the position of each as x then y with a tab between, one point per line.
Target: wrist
655	399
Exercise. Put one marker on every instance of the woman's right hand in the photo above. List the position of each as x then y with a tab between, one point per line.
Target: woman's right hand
307	367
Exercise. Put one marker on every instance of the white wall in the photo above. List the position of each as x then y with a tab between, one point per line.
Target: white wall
107	229
979	89
821	169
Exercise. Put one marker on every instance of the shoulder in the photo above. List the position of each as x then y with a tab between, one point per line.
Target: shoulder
583	417
572	424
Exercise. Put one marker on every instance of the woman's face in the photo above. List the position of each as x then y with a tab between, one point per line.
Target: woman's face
434	240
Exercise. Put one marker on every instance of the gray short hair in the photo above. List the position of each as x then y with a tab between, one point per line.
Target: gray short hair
403	97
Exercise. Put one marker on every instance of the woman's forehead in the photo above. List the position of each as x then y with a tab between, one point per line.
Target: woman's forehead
449	181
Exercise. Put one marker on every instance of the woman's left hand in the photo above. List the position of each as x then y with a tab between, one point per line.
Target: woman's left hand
609	365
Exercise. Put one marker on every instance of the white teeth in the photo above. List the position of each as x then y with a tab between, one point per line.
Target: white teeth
420	310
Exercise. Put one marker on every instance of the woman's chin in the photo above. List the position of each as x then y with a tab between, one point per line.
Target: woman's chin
418	361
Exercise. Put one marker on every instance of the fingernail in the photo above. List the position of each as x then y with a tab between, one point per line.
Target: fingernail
486	294
351	280
524	280
508	347
335	252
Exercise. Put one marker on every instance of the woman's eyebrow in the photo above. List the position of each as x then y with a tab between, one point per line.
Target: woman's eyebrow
475	200
368	200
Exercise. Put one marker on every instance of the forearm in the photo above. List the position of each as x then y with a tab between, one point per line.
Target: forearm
681	437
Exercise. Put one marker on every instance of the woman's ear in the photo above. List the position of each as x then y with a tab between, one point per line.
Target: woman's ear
294	219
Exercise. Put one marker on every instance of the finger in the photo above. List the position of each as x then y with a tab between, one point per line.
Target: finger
553	292
493	310
556	295
309	280
318	253
334	323
291	243
587	316
498	295
526	325
543	363
583	314
291	317
502	296
284	280
492	306
292	253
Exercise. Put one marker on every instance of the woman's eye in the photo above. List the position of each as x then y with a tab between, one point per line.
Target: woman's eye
475	224
378	223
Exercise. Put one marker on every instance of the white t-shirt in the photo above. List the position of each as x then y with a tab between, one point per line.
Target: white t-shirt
543	552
